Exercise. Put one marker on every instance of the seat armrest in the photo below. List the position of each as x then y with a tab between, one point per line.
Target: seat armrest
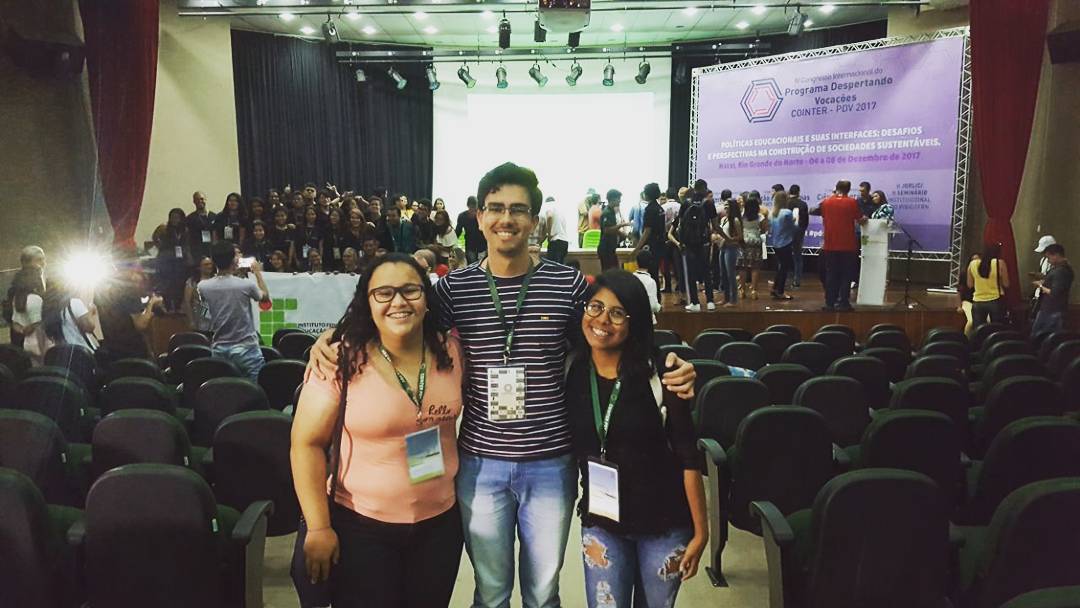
714	452
76	534
249	522
778	537
841	458
773	522
250	534
956	538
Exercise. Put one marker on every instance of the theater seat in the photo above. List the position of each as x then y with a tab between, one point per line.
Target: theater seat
936	366
895	360
706	370
774	343
944	334
1051	341
942	395
782	454
199	371
982	332
33	445
840	343
133	368
179	357
279	379
142	393
793	332
219	398
1010	400
79	360
737	333
873	538
1004	367
722	405
783	379
814	356
708	342
742	354
682	351
871	374
187	337
188	551
15	359
662	337
293	345
1061	357
1053	597
1032	542
842	402
958	350
137	436
889	339
60	400
39	570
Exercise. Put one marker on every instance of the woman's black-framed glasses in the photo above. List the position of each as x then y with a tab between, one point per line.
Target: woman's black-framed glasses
617	315
386	293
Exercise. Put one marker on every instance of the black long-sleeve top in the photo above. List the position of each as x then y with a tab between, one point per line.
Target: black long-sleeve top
651	454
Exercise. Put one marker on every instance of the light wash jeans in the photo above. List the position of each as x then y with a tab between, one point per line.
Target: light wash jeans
613	562
533	498
729	257
248	358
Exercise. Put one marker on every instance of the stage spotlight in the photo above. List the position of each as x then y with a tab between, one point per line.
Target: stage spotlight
539	33
432	78
500	78
540	79
796	23
464	76
329	31
399	80
573	40
609	75
361	75
643	70
504	33
575	73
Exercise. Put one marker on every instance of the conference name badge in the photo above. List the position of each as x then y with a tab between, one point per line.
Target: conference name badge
206	236
179	250
603	489
506	393
305	251
337	253
228	233
423	453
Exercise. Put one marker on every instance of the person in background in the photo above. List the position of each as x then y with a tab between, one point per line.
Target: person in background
692	233
840	250
401	235
801	212
645	259
278	262
194	307
882	210
401	202
30	278
257	212
387	521
966	293
445	240
475	245
200	227
669	261
173	259
729	237
621	417
1044	267
610	231
370	250
66	318
125	311
716	270
228	299
591	200
439	205
554	230
229	225
26	298
636	217
350	261
424	230
283	238
1054	299
309	237
427	260
865	199
307	195
314	261
989	278
357	231
273	198
332	240
652	233
755	223
782	235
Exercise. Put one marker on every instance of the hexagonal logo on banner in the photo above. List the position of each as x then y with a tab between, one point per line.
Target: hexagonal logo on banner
761	100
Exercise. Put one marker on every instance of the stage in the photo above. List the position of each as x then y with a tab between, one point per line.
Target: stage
804	312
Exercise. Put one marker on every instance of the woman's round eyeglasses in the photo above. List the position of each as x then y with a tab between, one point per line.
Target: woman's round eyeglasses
409	291
616	315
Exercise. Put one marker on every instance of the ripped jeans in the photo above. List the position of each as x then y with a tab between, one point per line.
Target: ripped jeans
619	566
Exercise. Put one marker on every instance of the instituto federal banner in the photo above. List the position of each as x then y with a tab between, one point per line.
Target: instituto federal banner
310	302
889	116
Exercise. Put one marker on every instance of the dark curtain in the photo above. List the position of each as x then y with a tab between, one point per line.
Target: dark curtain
1006	57
301	116
121	64
683	63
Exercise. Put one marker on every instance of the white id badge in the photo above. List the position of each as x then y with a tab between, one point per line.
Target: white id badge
604	489
506	393
337	253
228	233
206	236
423	452
306	249
179	251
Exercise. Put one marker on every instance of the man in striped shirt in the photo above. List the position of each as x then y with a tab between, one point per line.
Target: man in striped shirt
516	476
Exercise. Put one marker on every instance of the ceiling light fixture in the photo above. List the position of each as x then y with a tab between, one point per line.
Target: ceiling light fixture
808	23
419	15
617	27
827	8
307	30
493	29
504	33
329	31
286	17
352	16
539	33
431	29
369	30
796	23
464	76
432	77
487	15
575	73
643	70
609	75
759	9
534	72
690	10
398	79
361	75
573	40
500	78
742	25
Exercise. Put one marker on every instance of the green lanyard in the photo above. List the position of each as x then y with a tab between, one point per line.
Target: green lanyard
602	426
421	380
509	329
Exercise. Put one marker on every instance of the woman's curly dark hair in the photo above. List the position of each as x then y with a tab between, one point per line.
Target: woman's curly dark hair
357	327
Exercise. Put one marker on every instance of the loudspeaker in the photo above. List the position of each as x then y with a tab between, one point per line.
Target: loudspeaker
44	59
1063	43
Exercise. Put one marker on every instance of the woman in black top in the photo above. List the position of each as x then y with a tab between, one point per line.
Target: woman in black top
643	513
257	212
282	238
332	244
230	224
310	236
173	259
258	244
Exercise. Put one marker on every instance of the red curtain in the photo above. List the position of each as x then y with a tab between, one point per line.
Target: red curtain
121	61
1007	38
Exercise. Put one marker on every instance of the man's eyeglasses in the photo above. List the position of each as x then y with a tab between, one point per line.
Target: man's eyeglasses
616	315
409	291
517	211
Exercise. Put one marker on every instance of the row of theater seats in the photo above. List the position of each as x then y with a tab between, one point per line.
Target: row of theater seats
143	484
879	476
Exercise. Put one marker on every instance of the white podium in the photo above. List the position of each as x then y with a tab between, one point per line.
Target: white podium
875	263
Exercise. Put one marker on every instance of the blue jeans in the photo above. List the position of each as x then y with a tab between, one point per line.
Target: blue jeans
613	562
248	358
535	498
729	258
1047	323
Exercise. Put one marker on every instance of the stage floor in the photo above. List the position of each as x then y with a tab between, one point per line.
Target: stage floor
804	312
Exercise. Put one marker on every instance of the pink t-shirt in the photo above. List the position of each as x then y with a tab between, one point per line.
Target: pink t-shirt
374	478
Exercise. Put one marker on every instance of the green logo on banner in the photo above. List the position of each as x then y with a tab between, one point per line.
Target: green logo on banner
274	319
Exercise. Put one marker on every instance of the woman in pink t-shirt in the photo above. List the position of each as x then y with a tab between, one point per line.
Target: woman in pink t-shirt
391	531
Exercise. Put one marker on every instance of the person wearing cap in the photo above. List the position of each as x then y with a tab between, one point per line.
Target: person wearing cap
1044	266
1054	292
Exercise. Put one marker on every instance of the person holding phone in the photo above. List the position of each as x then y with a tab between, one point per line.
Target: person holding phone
228	299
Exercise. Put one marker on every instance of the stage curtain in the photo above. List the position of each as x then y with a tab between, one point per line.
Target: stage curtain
121	63
1007	38
301	116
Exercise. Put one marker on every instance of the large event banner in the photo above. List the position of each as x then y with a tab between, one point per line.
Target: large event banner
889	116
311	302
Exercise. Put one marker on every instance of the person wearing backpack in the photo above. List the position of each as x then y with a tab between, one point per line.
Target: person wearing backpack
693	231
